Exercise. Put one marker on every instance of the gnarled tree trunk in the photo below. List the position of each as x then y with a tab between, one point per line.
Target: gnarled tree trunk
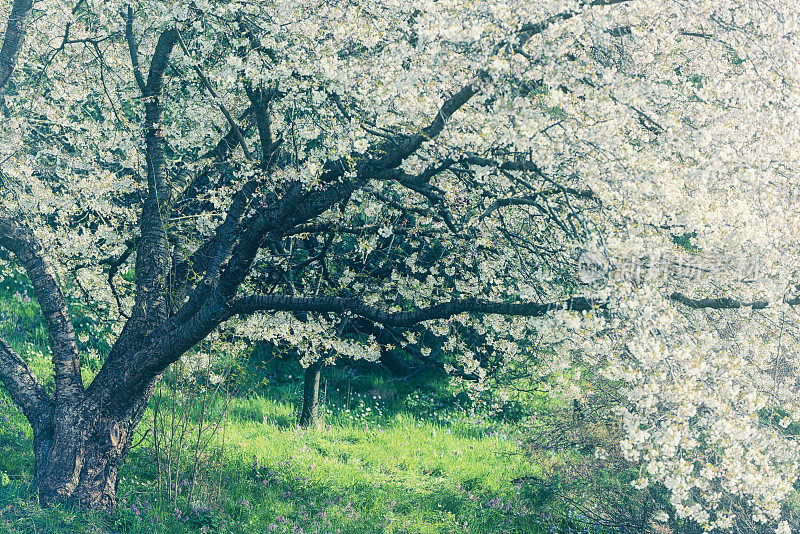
81	458
79	453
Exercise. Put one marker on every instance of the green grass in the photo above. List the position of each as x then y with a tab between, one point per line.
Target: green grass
396	474
392	456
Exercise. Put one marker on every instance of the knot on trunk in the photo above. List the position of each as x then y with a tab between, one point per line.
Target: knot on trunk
114	433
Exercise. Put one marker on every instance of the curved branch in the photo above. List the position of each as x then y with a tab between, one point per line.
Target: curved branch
158	64
113	267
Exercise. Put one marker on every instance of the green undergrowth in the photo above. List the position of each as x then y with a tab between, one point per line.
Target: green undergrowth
392	455
371	474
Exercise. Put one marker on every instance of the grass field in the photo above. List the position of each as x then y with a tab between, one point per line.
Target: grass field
391	455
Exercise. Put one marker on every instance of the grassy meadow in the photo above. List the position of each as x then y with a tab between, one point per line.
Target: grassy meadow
219	451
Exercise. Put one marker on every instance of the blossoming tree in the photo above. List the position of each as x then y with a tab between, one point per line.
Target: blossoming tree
416	164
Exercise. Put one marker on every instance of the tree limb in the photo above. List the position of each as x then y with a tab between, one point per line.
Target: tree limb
13	39
253	303
260	104
113	267
152	262
23	387
211	255
20	240
133	49
723	303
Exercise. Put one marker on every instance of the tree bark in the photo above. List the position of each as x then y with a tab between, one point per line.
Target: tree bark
309	416
78	457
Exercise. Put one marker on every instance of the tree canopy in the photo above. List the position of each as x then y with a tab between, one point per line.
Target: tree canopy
614	178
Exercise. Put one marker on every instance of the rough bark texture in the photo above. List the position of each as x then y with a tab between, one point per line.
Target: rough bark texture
81	460
78	457
18	238
80	438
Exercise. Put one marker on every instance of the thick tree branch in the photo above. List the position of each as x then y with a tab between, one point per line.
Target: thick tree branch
275	220
259	100
160	60
213	253
13	38
20	241
152	248
251	304
725	303
121	381
226	143
389	154
23	387
116	386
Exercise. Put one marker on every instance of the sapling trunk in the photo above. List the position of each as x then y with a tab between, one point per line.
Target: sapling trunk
309	415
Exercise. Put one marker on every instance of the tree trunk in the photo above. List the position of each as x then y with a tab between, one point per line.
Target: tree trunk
78	456
309	416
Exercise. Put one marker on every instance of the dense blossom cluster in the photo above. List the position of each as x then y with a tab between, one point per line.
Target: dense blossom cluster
628	129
